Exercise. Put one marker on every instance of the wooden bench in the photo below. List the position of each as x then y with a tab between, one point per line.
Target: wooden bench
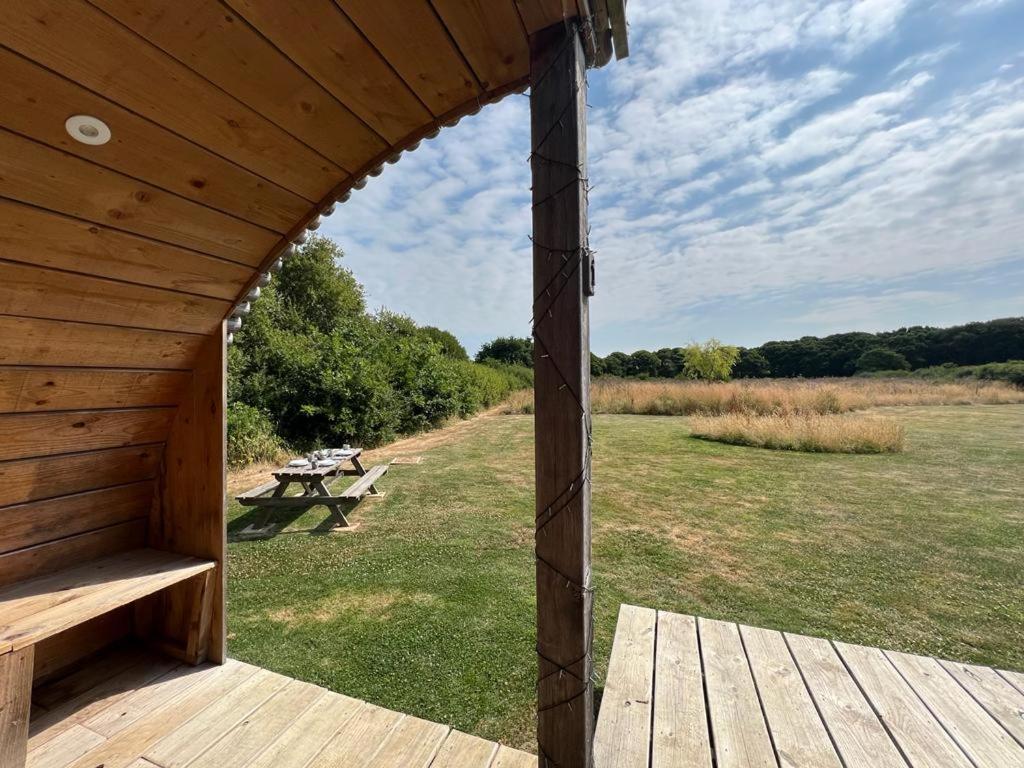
365	483
38	608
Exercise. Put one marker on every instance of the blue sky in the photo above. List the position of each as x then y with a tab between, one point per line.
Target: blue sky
760	170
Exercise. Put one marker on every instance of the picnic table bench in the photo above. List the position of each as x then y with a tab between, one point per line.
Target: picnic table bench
313	480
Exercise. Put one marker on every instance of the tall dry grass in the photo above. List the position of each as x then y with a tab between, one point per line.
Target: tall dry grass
827	433
782	397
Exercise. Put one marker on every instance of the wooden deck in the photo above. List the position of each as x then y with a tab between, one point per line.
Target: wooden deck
132	709
685	691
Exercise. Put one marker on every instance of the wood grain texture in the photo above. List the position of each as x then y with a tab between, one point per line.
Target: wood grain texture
251	736
34	102
460	750
29	435
979	735
111	721
188	742
105	687
26	525
859	735
308	734
32	341
32	479
413	40
49	294
55	654
1000	699
540	14
920	737
62	749
39	175
51	34
46	558
189	518
800	737
680	724
737	724
221	46
38	608
45	239
562	400
362	735
490	36
344	62
207	686
507	757
34	390
412	744
15	705
623	736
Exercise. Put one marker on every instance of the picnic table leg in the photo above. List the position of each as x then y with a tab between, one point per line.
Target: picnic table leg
361	470
335	509
282	486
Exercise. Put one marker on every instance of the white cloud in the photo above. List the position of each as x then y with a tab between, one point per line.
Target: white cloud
742	153
925	59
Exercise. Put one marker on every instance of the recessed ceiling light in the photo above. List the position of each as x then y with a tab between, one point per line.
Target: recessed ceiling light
87	129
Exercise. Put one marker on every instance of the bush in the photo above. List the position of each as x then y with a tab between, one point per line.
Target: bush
251	436
323	372
882	359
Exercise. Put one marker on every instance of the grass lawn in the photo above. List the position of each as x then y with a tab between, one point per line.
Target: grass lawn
428	607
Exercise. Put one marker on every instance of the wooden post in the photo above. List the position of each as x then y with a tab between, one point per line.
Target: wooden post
561	279
15	705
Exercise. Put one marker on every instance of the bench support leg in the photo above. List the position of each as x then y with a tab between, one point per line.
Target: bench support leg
335	509
15	706
200	615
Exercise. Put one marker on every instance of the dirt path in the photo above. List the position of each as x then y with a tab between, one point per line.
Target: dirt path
242	479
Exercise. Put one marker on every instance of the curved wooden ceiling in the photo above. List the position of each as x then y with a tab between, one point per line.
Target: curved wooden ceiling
234	124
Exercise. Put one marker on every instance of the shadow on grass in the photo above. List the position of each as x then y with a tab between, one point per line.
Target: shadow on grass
266	523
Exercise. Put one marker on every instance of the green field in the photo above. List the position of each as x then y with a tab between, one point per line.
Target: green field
428	607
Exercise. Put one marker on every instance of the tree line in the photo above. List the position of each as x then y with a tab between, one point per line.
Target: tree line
841	354
311	368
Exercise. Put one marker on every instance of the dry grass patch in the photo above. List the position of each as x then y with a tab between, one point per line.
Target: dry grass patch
822	433
373	604
780	397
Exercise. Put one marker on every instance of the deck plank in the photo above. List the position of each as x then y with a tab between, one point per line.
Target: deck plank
858	733
513	758
260	729
921	738
799	735
737	724
623	734
460	750
680	730
70	744
412	744
309	733
111	720
986	743
186	743
103	694
121	750
1000	699
359	739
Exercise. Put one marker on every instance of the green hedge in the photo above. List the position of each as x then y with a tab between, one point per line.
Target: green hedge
1011	371
324	372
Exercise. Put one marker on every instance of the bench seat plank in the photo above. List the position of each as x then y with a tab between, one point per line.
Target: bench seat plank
362	485
41	607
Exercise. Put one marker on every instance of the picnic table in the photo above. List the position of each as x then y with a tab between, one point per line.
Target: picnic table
313	478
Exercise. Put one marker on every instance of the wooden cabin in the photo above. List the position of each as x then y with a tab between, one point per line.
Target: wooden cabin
157	159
